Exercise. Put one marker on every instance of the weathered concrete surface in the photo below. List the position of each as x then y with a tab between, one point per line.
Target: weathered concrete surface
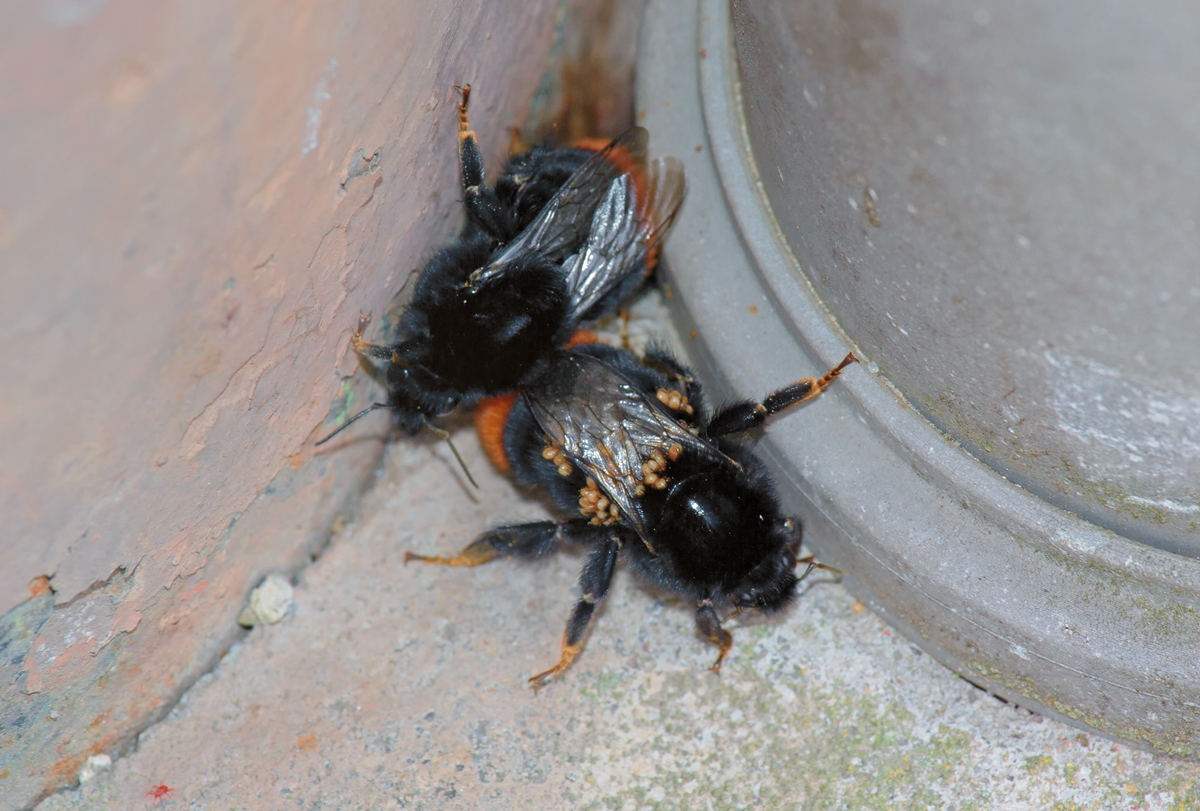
197	199
403	687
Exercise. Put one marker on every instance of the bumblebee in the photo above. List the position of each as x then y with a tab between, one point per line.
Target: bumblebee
562	237
627	446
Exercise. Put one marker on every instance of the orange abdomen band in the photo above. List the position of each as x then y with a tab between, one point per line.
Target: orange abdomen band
490	417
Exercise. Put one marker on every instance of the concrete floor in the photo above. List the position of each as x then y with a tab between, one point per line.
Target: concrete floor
404	687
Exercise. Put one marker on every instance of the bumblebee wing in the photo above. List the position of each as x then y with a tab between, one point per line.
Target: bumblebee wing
608	428
626	229
564	222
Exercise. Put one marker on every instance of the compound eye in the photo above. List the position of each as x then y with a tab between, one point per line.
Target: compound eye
396	375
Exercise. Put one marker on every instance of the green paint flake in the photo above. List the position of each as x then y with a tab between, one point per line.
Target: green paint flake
339	409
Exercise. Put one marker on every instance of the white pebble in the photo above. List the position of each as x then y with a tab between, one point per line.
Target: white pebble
93	766
269	603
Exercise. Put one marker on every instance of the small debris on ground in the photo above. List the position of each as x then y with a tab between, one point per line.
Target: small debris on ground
93	766
269	603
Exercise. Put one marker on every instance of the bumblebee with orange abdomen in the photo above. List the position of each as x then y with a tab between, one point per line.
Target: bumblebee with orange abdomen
562	237
627	446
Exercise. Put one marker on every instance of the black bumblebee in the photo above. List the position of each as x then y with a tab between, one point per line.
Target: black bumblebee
562	237
626	444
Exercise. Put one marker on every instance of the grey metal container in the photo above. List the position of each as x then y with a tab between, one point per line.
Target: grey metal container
995	210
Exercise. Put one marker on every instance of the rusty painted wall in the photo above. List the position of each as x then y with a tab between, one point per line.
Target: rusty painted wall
189	224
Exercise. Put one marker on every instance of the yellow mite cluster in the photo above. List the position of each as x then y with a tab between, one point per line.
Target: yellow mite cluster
594	503
674	400
553	454
655	465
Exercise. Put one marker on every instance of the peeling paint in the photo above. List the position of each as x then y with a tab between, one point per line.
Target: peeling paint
320	96
1100	404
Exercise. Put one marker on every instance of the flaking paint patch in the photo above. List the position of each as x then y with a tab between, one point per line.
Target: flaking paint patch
238	393
68	639
316	109
1100	404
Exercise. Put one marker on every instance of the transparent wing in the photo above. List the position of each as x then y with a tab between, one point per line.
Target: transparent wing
626	230
563	224
608	428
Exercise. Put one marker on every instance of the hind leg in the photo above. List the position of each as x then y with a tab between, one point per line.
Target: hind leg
521	541
744	416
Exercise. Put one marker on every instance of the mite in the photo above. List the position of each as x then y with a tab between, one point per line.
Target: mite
562	237
627	446
158	792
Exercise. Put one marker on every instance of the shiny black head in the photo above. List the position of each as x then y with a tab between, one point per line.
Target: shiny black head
770	586
724	532
415	395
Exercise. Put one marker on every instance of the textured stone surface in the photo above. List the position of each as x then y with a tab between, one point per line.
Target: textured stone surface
403	687
197	201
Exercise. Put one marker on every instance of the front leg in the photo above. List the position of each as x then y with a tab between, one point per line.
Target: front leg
709	625
374	353
744	416
593	582
484	209
470	157
482	206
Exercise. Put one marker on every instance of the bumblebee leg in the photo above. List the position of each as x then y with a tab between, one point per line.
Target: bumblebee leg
524	540
593	582
464	123
376	353
709	624
656	356
521	541
744	416
373	352
470	157
483	208
478	553
625	330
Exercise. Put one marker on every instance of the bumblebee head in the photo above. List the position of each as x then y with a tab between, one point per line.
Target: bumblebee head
770	585
416	396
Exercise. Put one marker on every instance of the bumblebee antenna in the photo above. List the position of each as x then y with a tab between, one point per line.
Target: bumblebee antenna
811	560
443	434
438	432
811	565
352	420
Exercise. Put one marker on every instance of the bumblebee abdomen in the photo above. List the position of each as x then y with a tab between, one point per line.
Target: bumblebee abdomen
491	415
532	178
